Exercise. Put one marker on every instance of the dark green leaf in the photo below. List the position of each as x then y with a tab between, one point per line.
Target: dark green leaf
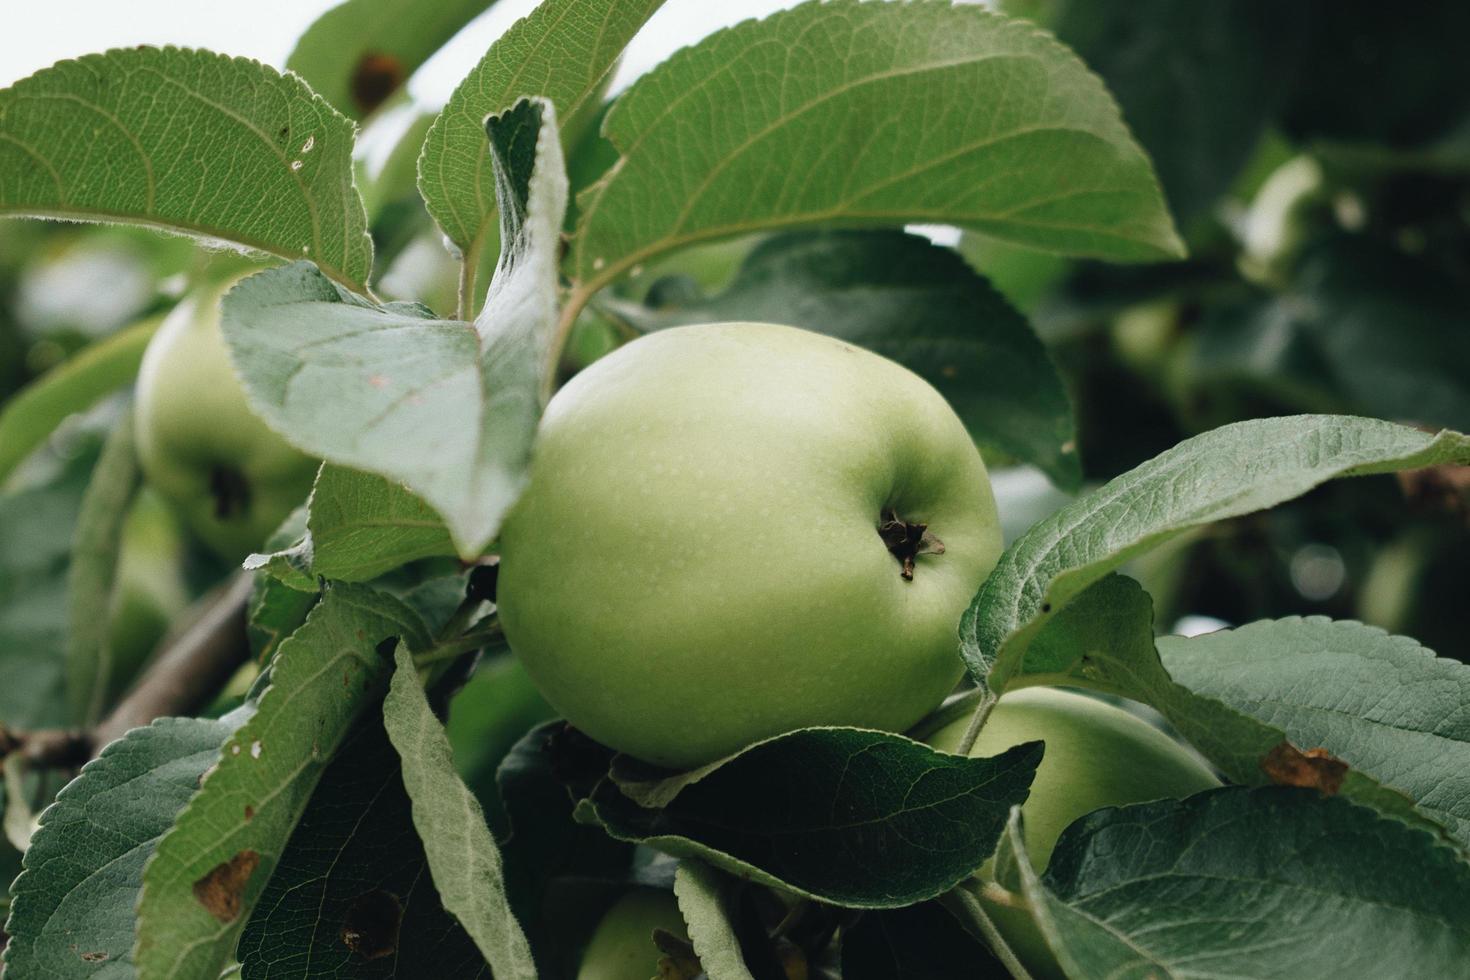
211	868
352	897
921	305
546	847
920	942
857	818
1198	83
73	911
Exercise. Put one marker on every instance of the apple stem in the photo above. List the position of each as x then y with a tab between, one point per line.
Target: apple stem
907	541
977	722
964	903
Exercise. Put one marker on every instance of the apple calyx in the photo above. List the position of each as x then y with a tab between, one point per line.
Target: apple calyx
907	542
230	490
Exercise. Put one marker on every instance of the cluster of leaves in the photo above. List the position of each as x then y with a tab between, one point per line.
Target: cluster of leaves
327	822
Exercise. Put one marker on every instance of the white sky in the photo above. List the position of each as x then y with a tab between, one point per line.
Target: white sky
37	33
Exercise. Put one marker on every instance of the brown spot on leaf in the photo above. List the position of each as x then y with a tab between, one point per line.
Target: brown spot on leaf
370	928
375	77
377	381
221	891
94	957
1287	765
249	812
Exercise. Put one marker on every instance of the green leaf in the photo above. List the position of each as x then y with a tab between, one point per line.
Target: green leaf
189	141
445	409
34	412
1234	470
359	53
277	606
210	869
1251	883
1368	75
73	910
795	811
706	903
1227	67
1105	640
1383	704
363	525
463	858
494	710
564	51
545	847
918	942
857	113
918	304
351	897
1389	329
96	546
36	523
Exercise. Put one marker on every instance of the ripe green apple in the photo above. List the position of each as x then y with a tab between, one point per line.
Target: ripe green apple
229	477
1097	755
622	946
736	530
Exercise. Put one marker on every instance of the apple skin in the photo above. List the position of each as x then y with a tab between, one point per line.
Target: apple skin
1097	755
230	478
696	565
622	947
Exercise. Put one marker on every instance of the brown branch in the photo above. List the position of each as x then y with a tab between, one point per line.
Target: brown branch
190	670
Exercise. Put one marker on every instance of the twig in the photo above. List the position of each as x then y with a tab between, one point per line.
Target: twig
190	671
180	681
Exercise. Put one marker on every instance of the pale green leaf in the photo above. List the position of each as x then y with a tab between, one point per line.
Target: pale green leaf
1105	640
872	113
362	525
464	860
707	904
210	868
96	547
1234	470
1383	704
189	141
564	52
1263	883
447	409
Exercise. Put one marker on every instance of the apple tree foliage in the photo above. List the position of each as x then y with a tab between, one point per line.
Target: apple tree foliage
1204	265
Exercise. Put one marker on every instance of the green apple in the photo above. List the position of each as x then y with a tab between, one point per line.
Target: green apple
1097	755
229	477
736	530
622	946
